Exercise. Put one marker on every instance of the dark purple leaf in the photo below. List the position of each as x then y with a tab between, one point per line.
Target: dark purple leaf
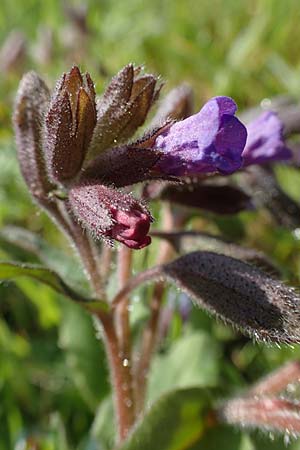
220	199
188	241
240	294
266	192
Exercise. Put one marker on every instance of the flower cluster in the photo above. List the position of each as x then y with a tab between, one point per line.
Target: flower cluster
72	142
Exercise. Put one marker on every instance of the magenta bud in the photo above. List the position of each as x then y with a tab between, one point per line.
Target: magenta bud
131	228
109	213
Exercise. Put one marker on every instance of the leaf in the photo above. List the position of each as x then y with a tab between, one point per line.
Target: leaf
104	428
187	363
188	241
239	293
11	270
220	199
33	244
267	193
220	437
174	422
84	354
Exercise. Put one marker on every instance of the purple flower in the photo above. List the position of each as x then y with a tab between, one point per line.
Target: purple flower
210	141
265	140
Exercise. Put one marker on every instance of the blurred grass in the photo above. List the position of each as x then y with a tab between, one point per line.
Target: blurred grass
51	380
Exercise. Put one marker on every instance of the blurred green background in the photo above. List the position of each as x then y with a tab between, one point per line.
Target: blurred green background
53	376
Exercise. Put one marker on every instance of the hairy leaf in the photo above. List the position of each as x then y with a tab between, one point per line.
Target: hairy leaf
188	241
218	199
239	294
265	190
12	270
14	239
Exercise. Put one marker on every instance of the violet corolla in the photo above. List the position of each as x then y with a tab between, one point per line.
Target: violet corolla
210	141
265	140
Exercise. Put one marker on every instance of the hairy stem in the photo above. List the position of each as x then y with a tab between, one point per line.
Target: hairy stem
119	364
120	378
81	244
148	275
150	333
122	311
148	344
89	259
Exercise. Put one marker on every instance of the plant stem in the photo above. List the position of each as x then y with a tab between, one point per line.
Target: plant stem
120	365
150	333
88	256
122	310
81	244
120	378
147	275
148	344
106	263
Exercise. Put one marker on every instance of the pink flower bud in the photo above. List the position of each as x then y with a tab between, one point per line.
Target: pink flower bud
109	213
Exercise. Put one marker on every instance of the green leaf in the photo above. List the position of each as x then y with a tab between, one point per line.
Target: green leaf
17	239
85	356
175	422
222	437
186	364
104	428
11	270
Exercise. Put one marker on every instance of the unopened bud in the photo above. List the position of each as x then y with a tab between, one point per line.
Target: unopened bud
30	109
109	213
69	125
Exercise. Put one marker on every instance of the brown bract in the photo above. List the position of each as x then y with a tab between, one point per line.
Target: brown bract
177	105
122	108
70	122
